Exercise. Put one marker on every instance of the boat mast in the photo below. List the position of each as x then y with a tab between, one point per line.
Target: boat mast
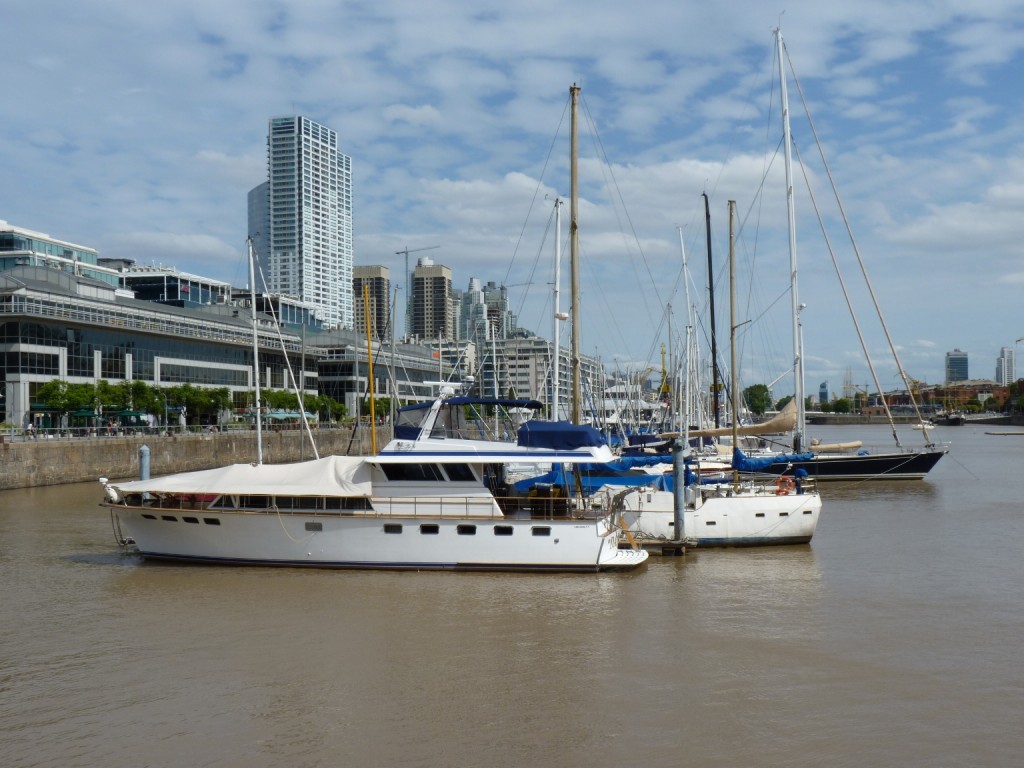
558	318
255	353
733	376
369	366
684	411
798	351
574	257
715	386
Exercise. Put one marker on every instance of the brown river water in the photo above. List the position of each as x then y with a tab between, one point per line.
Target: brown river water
896	638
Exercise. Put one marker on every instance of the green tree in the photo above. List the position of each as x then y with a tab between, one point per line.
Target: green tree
54	394
842	405
758	398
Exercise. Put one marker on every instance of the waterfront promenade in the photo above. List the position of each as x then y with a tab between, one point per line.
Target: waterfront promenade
27	461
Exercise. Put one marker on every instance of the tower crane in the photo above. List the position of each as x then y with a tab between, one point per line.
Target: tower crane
408	276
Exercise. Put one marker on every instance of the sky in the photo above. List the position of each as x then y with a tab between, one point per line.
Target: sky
139	128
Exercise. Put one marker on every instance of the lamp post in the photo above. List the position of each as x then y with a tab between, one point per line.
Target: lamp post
164	396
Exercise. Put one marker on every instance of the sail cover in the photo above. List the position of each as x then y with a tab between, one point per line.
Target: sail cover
559	435
744	463
329	476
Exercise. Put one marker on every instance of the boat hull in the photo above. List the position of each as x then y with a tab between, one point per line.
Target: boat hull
725	519
372	541
873	466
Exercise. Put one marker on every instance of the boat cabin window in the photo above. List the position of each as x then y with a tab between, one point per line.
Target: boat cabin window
315	527
392	527
503	530
540	530
430	528
254	502
190	519
466	530
414	472
460	473
346	504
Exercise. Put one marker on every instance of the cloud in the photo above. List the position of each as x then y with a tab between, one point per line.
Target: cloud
140	129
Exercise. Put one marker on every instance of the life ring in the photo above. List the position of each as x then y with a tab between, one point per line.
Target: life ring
784	485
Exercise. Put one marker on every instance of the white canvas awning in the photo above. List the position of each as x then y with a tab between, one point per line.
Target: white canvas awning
329	476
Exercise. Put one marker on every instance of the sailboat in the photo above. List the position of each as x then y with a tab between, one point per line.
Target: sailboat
820	461
677	506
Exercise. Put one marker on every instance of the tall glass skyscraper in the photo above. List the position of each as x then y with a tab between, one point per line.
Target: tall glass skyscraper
1005	370
301	218
956	366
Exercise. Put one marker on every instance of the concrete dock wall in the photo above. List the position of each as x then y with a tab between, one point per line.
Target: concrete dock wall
33	462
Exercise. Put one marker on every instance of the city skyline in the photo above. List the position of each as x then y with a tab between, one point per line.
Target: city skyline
140	132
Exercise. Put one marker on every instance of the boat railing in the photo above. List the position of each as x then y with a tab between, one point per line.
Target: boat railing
475	507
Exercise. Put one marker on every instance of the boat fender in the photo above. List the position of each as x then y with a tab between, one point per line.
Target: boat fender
784	485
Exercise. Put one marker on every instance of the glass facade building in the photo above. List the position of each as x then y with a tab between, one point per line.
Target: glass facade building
57	326
956	366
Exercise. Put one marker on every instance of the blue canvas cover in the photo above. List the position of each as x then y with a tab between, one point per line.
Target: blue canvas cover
744	463
558	435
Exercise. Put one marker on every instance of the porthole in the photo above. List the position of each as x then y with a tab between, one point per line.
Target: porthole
466	530
503	530
429	528
314	527
392	527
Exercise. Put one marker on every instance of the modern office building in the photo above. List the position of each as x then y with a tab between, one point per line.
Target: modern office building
167	285
374	282
20	247
56	325
166	328
432	315
1005	371
956	366
300	219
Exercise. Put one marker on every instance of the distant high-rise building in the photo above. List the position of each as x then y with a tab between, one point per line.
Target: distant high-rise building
432	316
956	366
1005	371
301	218
823	393
378	280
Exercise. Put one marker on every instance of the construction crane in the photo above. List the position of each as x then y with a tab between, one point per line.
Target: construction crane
408	276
